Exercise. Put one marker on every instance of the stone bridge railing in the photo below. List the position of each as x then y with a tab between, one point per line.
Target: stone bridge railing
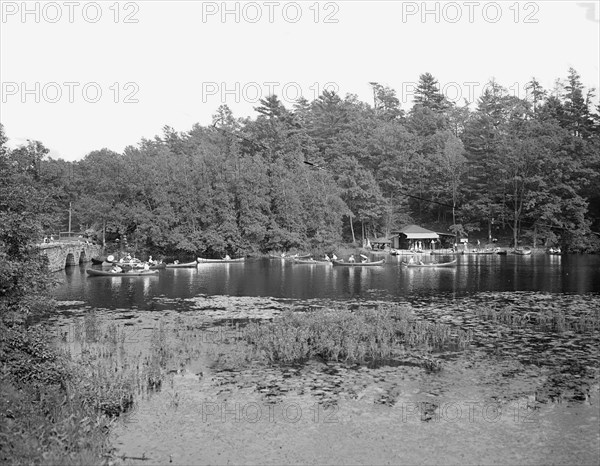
62	254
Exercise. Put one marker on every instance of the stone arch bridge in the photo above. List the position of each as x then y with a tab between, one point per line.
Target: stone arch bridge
62	254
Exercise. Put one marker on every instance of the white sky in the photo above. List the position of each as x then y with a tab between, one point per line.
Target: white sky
181	60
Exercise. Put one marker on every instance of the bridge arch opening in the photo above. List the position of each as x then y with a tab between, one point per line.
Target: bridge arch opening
70	259
82	257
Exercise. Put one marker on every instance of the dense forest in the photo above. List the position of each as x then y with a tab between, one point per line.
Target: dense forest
334	170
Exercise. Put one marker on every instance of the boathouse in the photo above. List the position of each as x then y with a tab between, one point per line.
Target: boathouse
415	237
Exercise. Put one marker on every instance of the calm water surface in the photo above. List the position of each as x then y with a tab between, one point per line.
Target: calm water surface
569	274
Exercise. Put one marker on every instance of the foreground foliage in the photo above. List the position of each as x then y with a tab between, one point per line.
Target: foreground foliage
47	418
49	415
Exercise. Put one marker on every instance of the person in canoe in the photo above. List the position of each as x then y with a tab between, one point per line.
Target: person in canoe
327	258
227	257
351	258
364	258
116	269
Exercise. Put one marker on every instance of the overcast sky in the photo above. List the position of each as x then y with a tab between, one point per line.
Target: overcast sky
80	76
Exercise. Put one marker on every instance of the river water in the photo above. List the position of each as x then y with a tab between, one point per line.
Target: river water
521	394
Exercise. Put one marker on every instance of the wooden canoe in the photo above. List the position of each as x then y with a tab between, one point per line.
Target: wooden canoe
432	264
184	265
131	273
358	264
312	261
202	260
140	266
524	251
290	257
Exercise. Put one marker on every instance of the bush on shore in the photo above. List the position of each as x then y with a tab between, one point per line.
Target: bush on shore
47	414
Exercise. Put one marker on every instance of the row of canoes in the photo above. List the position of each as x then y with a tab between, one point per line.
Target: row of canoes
136	272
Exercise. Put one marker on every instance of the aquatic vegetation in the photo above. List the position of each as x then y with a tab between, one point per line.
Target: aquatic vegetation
363	336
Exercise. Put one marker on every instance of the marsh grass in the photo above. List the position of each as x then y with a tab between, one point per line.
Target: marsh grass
362	336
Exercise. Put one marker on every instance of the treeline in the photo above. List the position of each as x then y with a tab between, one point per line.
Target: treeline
338	169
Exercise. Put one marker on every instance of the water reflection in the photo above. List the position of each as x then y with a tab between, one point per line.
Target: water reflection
430	279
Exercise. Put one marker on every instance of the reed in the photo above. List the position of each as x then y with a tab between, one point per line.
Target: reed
362	336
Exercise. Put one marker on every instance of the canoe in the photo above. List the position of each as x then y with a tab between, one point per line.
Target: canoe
290	257
140	266
136	265
432	264
179	266
524	251
131	273
216	261
312	262
109	263
358	264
